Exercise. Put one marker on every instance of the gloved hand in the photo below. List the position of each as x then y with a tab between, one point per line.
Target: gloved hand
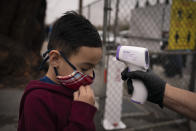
154	84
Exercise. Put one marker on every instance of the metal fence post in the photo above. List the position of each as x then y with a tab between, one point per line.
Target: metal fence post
103	61
116	21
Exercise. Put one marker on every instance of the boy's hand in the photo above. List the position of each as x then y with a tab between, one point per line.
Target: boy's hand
85	94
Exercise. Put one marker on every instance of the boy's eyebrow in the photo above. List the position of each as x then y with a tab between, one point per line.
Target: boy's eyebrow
89	64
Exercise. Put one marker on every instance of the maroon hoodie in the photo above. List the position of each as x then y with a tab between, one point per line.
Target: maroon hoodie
49	107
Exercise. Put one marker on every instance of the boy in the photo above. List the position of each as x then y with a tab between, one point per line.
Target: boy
63	99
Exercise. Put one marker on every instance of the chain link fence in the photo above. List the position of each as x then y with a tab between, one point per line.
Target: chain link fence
147	24
168	30
94	12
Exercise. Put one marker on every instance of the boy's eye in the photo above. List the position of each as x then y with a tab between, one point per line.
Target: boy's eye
84	70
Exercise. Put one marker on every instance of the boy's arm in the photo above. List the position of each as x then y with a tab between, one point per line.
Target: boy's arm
81	118
83	110
181	101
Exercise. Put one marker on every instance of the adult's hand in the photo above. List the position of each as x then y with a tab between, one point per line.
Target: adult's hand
154	84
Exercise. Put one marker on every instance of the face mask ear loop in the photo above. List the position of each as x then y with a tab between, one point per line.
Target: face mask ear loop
93	74
48	51
56	72
44	61
72	66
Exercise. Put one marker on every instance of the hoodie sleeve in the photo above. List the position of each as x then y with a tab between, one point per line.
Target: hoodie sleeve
38	117
81	118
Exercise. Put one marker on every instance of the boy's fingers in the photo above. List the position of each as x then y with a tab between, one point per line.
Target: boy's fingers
89	90
90	94
82	90
76	95
86	95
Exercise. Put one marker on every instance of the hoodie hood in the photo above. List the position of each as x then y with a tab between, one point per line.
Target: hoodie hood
36	84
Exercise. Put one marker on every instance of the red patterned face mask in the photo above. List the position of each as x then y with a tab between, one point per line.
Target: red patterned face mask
75	80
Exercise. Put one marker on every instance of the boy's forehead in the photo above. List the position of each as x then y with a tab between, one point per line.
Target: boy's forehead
89	54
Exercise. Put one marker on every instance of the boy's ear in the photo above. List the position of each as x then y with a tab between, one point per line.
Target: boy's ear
54	57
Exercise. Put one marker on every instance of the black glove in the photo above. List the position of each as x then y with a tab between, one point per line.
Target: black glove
154	84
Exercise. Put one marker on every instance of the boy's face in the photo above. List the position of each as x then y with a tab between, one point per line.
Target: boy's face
84	60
